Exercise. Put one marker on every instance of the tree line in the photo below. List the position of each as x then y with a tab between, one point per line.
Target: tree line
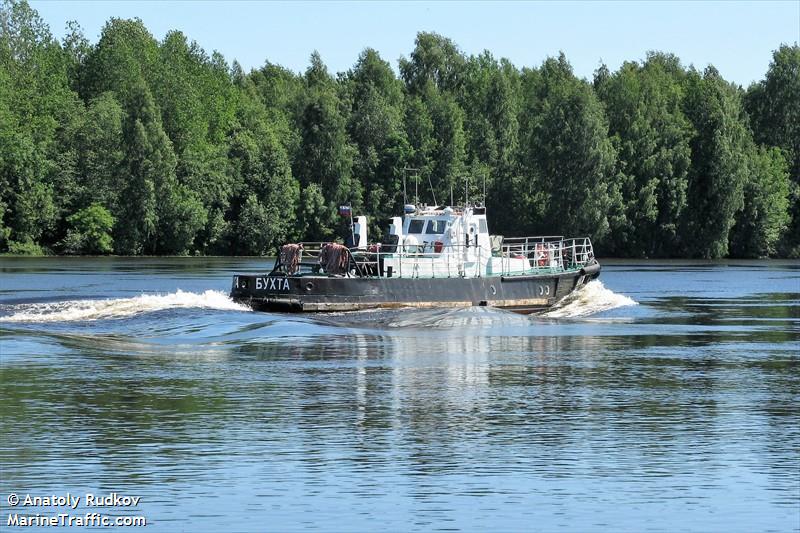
137	146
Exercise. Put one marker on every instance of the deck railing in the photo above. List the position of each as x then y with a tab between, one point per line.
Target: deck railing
550	251
545	254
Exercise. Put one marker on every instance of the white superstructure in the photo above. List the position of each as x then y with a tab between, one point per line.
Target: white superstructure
448	242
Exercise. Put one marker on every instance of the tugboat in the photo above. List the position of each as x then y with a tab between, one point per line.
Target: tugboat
432	257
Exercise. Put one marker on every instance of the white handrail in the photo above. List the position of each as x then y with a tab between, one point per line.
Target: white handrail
541	254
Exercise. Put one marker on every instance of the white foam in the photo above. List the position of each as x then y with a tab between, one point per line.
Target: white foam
73	310
589	299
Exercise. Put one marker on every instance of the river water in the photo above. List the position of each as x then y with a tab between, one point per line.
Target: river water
663	397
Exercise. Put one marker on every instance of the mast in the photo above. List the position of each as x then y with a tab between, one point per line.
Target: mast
484	188
430	184
416	184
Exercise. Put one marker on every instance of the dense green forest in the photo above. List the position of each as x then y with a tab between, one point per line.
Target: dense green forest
135	146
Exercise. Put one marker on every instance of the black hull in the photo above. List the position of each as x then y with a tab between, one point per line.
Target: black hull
522	294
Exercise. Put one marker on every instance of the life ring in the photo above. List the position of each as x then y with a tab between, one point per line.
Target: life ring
542	254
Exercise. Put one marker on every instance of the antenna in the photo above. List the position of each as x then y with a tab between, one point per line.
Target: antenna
405	199
430	184
352	227
484	188
416	184
451	195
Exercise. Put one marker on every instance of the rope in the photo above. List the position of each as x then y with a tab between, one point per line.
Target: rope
290	257
334	258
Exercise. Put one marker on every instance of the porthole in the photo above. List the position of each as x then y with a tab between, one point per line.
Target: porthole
309	286
492	289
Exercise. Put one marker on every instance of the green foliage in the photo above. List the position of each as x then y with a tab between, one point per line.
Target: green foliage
568	158
765	216
268	193
774	105
774	108
448	156
420	134
282	94
651	134
435	60
34	211
251	233
101	149
491	103
327	154
181	216
315	216
25	248
375	127
144	162
719	166
125	57
35	103
154	147
90	231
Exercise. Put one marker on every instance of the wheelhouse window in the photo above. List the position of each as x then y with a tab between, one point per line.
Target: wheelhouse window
436	227
416	225
482	225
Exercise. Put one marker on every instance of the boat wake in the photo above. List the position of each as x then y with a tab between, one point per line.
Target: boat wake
77	310
592	298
